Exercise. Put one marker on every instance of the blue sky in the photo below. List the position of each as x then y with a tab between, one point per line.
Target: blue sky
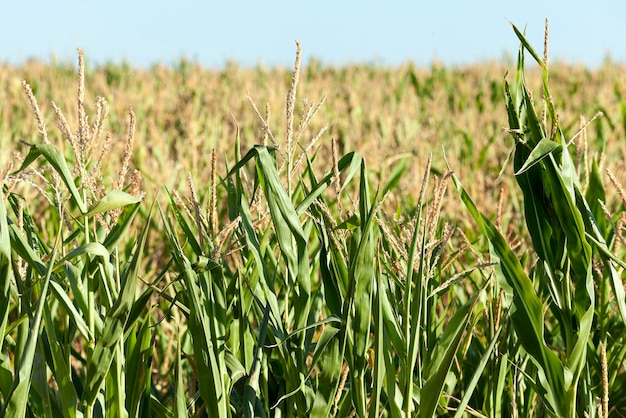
335	32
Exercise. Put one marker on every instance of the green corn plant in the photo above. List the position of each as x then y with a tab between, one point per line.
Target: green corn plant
207	321
284	332
305	319
90	262
73	301
351	365
565	227
84	269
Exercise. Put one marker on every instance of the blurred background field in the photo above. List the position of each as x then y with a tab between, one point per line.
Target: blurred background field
388	115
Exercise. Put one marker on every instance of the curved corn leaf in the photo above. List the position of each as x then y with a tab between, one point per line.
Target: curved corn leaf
55	157
121	227
478	371
544	148
98	364
61	369
5	269
69	307
17	400
114	199
443	357
527	45
527	316
138	362
363	274
349	164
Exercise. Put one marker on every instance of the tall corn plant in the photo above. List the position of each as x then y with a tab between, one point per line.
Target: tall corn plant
356	349
252	327
554	307
310	314
70	287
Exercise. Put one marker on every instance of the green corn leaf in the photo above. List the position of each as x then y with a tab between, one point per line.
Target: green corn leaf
333	270
20	245
528	318
190	236
533	128
393	329
73	275
349	164
98	366
527	46
105	269
331	329
92	248
180	404
55	157
114	199
138	365
394	177
61	370
69	307
310	326
329	359
207	345
594	195
379	347
443	357
571	221
412	309
608	258
539	213
287	225
5	270
17	400
539	152
478	371
265	294
121	227
114	388
363	274
252	393
39	395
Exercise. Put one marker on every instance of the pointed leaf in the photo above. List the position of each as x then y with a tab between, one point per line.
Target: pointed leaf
541	150
55	157
115	199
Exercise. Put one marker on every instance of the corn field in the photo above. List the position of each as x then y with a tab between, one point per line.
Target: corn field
411	242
